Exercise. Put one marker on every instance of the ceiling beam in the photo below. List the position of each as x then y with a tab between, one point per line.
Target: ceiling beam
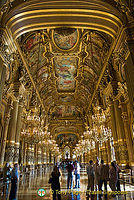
112	48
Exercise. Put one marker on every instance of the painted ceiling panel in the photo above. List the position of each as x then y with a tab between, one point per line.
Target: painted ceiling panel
67	40
65	64
65	68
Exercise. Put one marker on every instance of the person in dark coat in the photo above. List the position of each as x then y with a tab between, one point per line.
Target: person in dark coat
118	176
113	177
104	175
6	179
70	169
90	173
55	183
14	182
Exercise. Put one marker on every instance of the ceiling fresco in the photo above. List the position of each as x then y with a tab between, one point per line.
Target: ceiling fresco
66	98
67	140
65	64
65	111
65	68
67	40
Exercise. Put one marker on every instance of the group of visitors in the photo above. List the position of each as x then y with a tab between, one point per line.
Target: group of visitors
10	174
73	170
99	174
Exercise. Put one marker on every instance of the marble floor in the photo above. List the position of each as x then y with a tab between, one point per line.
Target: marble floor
30	184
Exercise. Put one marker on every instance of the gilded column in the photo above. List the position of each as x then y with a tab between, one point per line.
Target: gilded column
47	153
2	82
21	151
123	154
91	154
28	155
11	133
44	159
52	158
114	131
129	66
101	152
128	134
97	149
5	130
32	156
108	147
1	67
2	78
104	152
88	156
17	136
39	155
24	152
94	154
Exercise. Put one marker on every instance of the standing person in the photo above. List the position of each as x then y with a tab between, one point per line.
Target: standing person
90	173
118	176
55	183
14	182
113	177
77	174
6	179
104	175
70	169
97	174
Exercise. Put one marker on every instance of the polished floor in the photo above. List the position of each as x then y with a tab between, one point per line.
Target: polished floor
30	184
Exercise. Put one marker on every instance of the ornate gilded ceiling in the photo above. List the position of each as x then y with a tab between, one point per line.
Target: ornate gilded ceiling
64	46
65	64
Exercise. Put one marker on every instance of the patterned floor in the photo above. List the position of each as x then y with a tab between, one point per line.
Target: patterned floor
30	185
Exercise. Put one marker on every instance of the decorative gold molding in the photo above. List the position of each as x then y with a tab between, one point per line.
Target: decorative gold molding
40	26
113	46
64	10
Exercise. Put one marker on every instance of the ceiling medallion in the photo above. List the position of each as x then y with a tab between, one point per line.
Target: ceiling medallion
65	39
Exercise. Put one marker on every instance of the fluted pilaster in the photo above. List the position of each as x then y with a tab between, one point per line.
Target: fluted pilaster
17	136
128	133
11	133
123	153
5	130
114	130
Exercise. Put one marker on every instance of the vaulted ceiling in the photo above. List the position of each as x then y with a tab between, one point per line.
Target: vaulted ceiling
64	45
65	64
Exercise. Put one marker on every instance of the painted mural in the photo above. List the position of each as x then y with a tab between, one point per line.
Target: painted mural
35	56
65	42
66	99
94	55
65	129
65	68
64	139
65	111
33	40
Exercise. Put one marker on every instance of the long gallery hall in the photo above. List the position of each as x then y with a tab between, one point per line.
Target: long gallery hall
66	99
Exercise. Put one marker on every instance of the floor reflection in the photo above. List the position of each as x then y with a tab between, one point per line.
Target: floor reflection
30	183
